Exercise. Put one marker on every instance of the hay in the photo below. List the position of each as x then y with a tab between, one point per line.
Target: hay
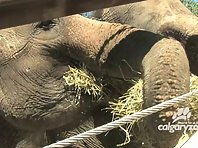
128	104
82	82
194	100
132	101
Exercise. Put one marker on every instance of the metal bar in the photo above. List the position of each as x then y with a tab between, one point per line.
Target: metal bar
19	12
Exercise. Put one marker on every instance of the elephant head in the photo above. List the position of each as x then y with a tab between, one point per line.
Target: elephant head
167	17
34	58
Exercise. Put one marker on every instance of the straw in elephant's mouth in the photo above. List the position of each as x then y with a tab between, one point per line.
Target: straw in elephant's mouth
82	82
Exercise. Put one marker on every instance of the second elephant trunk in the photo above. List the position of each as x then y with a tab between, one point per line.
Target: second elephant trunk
167	17
166	75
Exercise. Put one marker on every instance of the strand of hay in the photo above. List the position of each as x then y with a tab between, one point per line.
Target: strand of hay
82	82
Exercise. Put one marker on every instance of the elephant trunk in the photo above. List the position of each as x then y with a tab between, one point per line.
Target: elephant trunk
98	39
184	28
173	20
167	17
166	75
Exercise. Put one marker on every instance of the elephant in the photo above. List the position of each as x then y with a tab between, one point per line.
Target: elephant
166	17
33	95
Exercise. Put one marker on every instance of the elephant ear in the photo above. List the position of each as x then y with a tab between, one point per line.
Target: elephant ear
13	40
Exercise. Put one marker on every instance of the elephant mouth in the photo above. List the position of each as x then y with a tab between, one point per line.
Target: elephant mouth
192	52
192	44
42	107
65	108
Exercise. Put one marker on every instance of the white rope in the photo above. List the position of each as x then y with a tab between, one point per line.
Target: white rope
127	119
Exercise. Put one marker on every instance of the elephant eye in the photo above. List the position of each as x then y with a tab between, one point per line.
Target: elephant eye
46	25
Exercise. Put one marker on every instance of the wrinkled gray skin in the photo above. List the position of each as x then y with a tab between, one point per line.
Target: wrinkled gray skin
33	95
167	17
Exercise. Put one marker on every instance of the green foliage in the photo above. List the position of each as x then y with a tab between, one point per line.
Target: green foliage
191	5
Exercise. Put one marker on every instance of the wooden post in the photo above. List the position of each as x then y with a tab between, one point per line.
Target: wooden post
19	12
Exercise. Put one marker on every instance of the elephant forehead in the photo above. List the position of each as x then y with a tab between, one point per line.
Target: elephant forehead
10	43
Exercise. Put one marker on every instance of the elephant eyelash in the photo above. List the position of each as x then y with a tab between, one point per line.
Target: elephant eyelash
46	25
176	34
